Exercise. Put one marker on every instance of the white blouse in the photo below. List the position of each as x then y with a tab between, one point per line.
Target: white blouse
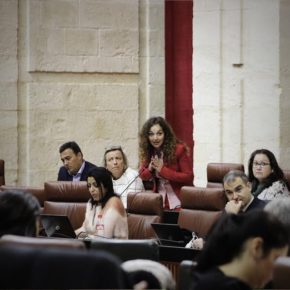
276	190
106	223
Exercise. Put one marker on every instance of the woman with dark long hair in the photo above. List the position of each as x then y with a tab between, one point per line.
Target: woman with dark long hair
105	214
267	178
241	251
165	160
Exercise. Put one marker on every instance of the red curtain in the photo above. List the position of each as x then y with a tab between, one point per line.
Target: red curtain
178	68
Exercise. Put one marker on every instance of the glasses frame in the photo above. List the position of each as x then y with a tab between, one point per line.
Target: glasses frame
261	164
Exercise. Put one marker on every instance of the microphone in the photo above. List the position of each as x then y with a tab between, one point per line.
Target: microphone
138	175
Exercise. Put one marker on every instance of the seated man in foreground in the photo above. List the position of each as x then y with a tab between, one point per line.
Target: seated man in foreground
74	168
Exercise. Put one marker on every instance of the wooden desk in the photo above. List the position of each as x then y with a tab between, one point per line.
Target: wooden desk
171	257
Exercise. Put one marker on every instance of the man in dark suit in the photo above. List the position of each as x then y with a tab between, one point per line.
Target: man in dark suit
238	192
240	199
74	168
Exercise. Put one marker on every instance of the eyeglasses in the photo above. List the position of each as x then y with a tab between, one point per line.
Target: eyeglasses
262	164
112	148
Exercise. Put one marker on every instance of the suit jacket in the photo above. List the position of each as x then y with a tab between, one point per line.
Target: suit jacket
256	204
63	174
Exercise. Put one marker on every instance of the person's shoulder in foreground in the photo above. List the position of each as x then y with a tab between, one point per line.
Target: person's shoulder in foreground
219	280
241	249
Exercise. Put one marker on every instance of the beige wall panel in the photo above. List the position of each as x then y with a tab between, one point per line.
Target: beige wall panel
95	115
65	37
8	88
236	69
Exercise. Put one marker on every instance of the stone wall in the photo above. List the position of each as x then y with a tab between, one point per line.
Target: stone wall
8	87
82	76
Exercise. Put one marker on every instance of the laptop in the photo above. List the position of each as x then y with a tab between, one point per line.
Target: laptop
171	234
57	226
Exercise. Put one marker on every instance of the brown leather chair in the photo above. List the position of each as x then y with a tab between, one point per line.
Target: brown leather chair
143	209
2	172
37	191
200	208
67	191
217	171
75	211
67	198
281	273
39	242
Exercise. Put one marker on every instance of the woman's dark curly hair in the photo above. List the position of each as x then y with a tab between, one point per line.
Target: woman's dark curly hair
102	177
146	150
276	174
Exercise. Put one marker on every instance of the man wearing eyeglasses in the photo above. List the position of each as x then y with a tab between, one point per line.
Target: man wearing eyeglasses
74	168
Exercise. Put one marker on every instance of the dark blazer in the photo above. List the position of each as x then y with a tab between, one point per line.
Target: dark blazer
63	174
256	204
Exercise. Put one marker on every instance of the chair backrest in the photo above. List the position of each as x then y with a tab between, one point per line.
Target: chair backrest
37	191
128	249
39	242
281	273
67	198
67	191
74	210
200	208
2	172
54	268
143	209
185	277
217	171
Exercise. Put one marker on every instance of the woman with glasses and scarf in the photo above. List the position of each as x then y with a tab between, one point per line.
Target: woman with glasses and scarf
267	178
105	214
165	160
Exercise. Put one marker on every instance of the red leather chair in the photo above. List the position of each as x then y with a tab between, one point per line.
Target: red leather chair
67	198
143	209
217	171
200	208
37	191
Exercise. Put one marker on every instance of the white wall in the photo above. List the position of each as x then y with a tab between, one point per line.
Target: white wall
238	84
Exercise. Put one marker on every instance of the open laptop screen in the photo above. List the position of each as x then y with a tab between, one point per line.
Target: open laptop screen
57	226
171	234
